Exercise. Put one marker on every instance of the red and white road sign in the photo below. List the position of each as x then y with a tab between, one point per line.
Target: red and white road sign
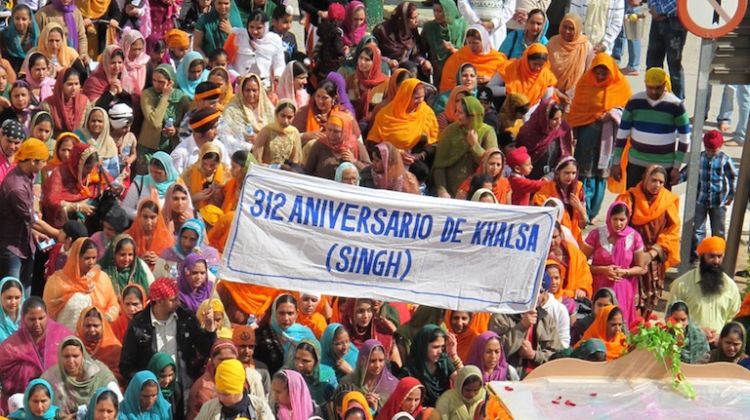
711	18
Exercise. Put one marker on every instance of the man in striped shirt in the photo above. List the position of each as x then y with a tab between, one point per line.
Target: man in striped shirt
658	127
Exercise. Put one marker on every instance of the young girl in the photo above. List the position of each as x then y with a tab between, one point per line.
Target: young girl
367	86
617	258
121	120
279	141
337	351
20	36
731	344
132	301
21	107
281	23
164	368
291	396
569	190
96	133
293	84
695	347
493	162
555	271
256	50
11	299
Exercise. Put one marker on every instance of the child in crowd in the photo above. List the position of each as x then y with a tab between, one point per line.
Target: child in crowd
281	23
523	188
121	120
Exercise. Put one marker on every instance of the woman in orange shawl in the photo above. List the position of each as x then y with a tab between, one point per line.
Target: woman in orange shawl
205	178
407	120
394	82
96	334
78	285
567	188
493	162
477	51
150	232
574	267
607	327
595	114
308	313
466	336
532	76
132	300
656	217
570	53
454	100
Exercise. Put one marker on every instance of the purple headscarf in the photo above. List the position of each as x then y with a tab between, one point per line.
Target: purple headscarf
476	357
386	383
340	82
190	298
70	21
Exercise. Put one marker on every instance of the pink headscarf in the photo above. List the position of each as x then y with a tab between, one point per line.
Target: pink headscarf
620	253
352	34
135	78
299	398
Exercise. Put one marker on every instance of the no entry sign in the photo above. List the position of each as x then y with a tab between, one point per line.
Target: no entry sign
711	18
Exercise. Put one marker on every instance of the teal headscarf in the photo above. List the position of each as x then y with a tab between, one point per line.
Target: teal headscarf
588	348
513	46
213	38
343	167
695	345
92	404
12	39
188	86
322	381
131	405
197	226
25	414
328	357
290	337
172	175
7	325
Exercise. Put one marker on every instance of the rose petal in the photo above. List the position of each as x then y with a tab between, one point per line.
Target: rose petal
570	403
556	402
593	394
508	388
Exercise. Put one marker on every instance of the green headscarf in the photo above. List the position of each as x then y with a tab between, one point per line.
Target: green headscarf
588	348
422	316
453	404
416	364
122	277
695	347
322	381
213	38
92	403
160	361
452	146
453	31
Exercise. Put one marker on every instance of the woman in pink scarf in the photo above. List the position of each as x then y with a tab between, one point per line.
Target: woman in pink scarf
31	350
547	137
617	258
37	76
355	23
133	45
108	76
293	400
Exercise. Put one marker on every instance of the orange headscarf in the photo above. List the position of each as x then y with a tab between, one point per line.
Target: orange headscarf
403	129
251	298
563	272
55	162
616	346
592	99
576	274
487	64
194	177
107	350
745	308
550	189
520	78
316	322
568	59
62	285
464	339
161	238
450	106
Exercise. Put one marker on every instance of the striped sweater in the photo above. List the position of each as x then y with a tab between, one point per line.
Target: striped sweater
658	130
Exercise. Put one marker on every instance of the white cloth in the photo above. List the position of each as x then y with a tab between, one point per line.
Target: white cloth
499	12
613	25
187	153
527	6
559	313
70	313
265	60
166	335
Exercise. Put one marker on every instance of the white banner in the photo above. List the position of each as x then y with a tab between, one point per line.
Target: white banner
298	232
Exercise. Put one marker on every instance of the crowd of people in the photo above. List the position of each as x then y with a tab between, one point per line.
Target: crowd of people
127	129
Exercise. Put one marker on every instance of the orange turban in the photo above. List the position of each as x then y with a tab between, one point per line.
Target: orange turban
177	39
713	244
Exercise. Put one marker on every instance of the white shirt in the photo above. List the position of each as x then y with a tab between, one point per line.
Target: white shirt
266	59
187	153
166	335
496	11
559	313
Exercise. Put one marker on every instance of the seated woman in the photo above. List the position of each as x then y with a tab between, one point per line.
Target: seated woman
488	355
459	324
36	73
406	398
602	297
97	336
204	388
67	104
463	401
80	284
37	402
250	108
213	28
220	76
293	84
512	113
144	399
291	397
20	36
608	327
191	72
96	132
594	116
205	178
547	137
399	39
320	379
161	176
132	301
309	313
164	368
279	141
311	118
193	283
104	400
453	101
355	24
372	376
570	54
279	333
75	381
388	172
256	49
190	238
695	347
492	164
444	35
366	87
576	274
347	173
337	351
163	105
530	74
461	147
732	343
53	43
12	297
104	85
358	317
567	188
150	233
122	265
407	122
435	370
477	51
21	108
354	405
136	68
338	144
178	207
517	41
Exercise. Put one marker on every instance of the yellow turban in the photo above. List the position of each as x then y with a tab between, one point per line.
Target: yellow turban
177	39
32	149
656	76
211	214
713	244
230	377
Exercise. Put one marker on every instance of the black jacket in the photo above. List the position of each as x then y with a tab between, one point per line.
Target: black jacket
193	346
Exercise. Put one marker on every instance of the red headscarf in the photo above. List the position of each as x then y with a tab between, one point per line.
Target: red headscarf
535	135
393	405
66	113
367	81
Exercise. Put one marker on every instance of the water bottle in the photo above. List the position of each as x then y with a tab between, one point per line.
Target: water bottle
169	123
173	274
249	130
251	321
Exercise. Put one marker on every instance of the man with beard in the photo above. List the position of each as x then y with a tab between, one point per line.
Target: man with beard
711	295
